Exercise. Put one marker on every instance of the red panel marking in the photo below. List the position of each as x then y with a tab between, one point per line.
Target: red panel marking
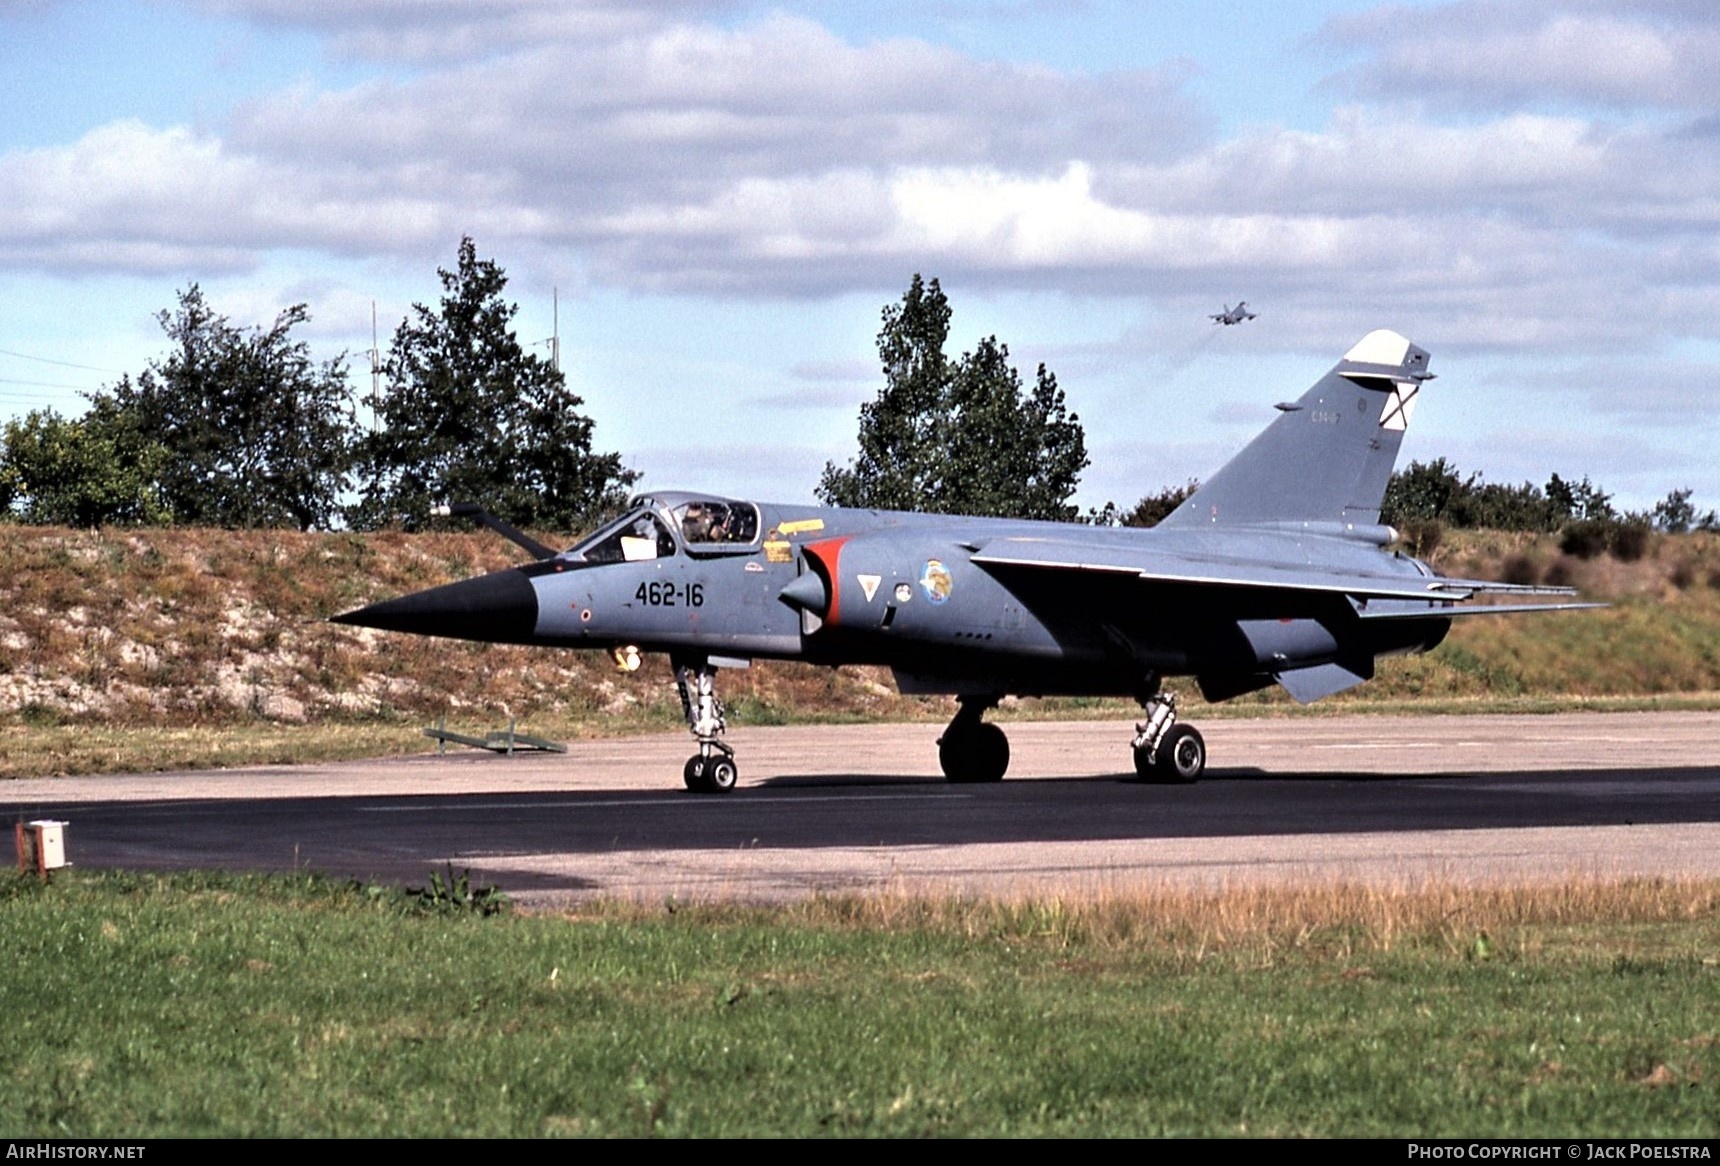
827	554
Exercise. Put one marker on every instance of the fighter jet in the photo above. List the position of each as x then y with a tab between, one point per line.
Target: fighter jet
1276	571
1232	315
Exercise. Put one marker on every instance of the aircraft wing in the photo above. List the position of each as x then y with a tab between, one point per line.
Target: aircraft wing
1159	566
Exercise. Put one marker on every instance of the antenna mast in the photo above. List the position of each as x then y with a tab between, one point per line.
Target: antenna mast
375	370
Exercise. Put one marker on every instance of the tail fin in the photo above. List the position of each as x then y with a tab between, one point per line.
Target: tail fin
1327	459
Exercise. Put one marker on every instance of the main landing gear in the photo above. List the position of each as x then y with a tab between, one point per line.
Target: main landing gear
1166	751
971	750
712	769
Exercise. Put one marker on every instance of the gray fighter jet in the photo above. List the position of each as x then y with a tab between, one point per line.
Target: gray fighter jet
1276	571
1232	315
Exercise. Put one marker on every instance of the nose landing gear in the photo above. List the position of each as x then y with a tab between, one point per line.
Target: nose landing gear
712	769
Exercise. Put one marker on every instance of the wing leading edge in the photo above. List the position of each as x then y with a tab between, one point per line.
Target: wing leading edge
1157	566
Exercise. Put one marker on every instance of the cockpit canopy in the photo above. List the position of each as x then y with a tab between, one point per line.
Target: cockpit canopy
715	521
650	528
636	536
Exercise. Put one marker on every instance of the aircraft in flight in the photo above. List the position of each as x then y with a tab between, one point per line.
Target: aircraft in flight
1232	315
1275	571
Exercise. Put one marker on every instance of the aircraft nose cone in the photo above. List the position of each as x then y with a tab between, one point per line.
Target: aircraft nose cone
807	593
497	608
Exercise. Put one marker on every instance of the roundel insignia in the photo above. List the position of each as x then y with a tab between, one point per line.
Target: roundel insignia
935	581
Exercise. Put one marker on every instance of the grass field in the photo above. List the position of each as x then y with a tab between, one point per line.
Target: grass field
220	1005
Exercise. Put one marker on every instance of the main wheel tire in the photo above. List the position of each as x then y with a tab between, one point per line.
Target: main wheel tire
975	754
721	773
1144	763
694	773
1181	755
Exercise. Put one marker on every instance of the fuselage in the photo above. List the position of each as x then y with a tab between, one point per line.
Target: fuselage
726	580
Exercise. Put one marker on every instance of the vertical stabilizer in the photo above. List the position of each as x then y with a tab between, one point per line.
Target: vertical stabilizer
1326	459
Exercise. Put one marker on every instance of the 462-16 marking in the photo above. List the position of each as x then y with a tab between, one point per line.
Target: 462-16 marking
669	595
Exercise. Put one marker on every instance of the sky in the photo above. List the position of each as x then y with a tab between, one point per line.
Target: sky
712	201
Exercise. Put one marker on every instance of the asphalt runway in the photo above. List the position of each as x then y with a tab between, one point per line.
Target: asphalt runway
1398	801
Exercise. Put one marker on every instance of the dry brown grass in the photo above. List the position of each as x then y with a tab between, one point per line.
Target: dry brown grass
1268	922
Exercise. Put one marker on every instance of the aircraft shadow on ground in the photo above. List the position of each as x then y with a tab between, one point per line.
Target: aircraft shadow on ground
1129	777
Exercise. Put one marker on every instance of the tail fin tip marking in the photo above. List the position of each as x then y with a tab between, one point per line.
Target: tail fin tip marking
1381	346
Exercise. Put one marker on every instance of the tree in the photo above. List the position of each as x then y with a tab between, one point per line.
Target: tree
256	433
1676	514
1438	492
95	470
1423	492
960	437
1580	500
469	415
1155	508
898	467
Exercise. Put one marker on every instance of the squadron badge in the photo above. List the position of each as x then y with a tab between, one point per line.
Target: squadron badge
935	581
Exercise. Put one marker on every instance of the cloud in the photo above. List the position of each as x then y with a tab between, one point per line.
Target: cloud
686	106
813	398
126	197
654	150
1666	394
776	471
1483	52
436	31
851	370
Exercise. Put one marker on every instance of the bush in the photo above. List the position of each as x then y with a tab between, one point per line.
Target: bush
1560	573
1421	536
1630	539
1520	569
1585	538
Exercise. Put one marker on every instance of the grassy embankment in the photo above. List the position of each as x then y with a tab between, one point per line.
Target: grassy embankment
162	649
294	1006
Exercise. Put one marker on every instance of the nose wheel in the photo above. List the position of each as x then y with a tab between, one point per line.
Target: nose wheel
715	774
712	769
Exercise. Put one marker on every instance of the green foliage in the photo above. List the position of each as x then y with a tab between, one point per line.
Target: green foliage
1155	508
97	470
1423	499
1581	501
958	437
256	433
1626	539
455	895
1676	514
470	416
1423	491
1437	491
1630	538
